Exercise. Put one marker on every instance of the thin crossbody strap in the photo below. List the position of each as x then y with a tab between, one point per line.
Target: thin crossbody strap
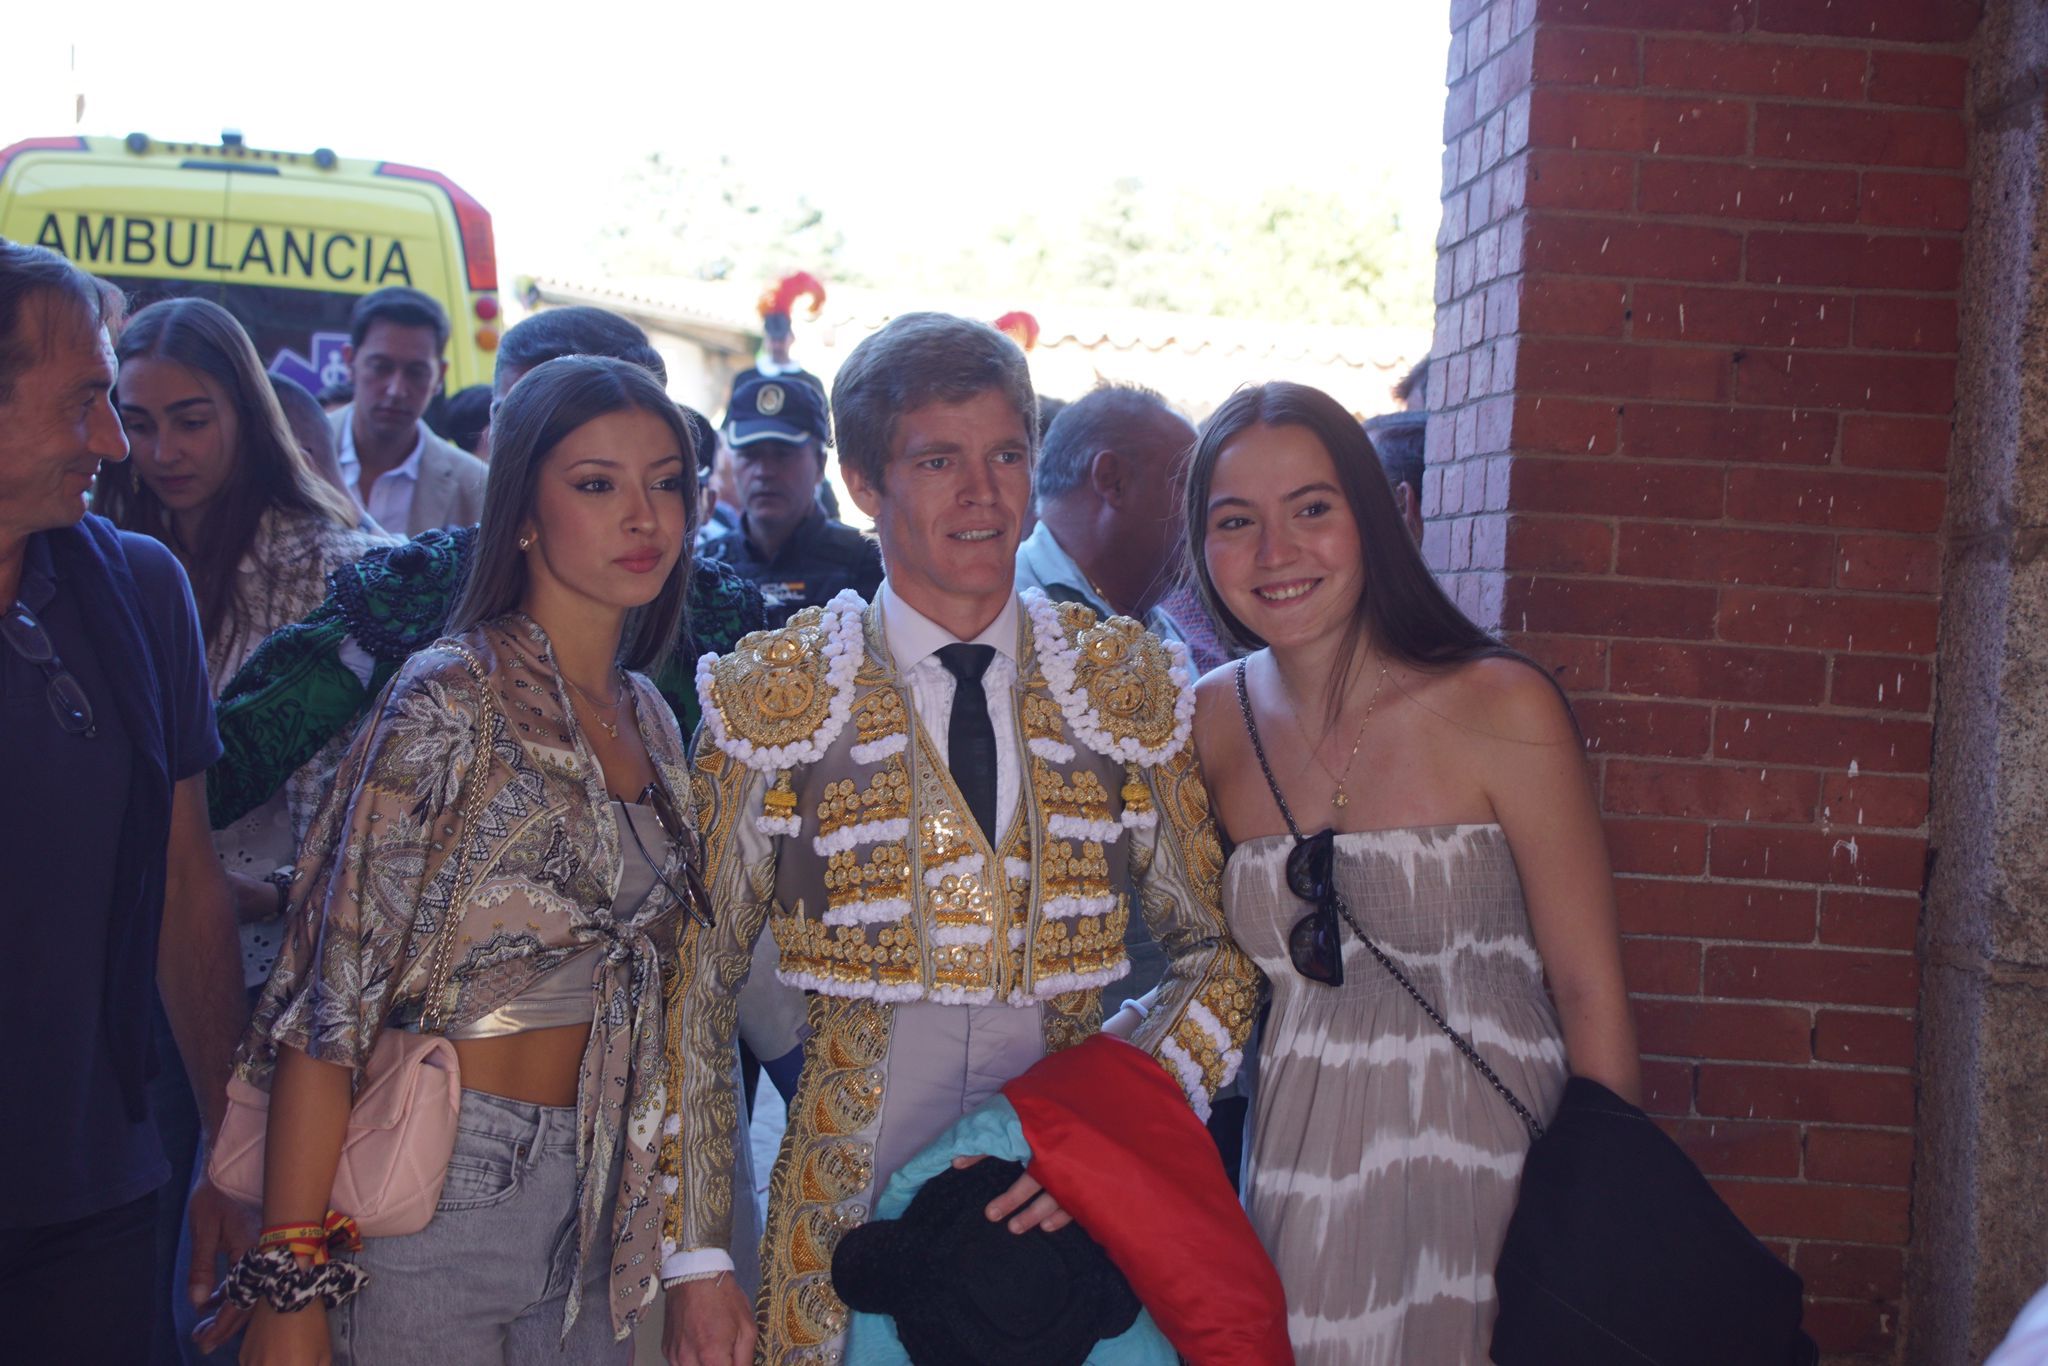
431	1017
1459	1041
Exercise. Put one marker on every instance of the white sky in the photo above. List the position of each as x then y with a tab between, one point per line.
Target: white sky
918	122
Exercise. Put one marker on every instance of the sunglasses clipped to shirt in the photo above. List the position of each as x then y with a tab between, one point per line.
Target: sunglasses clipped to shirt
68	702
1315	944
683	836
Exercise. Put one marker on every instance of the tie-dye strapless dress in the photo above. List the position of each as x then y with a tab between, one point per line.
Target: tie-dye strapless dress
1383	1168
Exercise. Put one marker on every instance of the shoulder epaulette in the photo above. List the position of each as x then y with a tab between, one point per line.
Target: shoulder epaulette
1126	693
779	698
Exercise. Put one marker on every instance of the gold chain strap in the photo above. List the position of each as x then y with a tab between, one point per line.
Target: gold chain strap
444	950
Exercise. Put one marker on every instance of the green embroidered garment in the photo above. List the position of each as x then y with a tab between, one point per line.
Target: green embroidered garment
295	694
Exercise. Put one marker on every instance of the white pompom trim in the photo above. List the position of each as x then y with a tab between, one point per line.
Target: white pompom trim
1210	1025
883	911
863	991
1060	660
1053	751
1061	826
961	934
1190	1074
865	832
965	866
844	650
778	825
874	751
1018	868
962	996
1069	907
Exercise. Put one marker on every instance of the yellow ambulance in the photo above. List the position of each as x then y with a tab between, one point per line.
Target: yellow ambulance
285	241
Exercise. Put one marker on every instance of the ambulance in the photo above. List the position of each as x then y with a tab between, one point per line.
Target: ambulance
285	241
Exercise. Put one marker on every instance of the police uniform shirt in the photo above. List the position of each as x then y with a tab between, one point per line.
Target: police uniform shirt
820	558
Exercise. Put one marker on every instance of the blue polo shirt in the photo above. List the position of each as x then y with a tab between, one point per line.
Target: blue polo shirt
69	1147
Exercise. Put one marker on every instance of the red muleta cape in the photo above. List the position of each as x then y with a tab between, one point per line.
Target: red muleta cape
1113	1139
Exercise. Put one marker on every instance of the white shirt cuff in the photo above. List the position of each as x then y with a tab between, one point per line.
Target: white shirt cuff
695	1265
357	660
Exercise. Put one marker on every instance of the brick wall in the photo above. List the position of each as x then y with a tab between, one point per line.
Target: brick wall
1694	365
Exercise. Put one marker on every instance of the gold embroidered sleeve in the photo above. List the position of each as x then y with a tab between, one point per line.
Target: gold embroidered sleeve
1202	1014
703	1003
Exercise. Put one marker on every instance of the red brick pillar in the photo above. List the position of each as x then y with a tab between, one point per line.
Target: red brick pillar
1694	365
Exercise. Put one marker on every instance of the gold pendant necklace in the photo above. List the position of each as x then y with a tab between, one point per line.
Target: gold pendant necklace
1341	799
611	727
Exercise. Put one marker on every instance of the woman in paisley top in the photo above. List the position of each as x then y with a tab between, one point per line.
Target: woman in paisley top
522	740
1444	796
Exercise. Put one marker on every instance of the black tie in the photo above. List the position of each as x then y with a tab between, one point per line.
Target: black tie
970	738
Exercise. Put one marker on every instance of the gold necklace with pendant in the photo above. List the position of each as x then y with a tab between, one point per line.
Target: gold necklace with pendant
1341	799
611	727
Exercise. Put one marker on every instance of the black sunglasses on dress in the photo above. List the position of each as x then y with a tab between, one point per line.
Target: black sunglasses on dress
1315	944
684	836
68	702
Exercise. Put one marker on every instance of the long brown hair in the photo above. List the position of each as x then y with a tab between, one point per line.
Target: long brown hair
1401	609
548	403
270	471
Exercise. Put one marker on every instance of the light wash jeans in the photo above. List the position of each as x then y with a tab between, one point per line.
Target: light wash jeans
485	1283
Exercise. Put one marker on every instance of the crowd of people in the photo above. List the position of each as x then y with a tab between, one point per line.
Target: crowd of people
421	853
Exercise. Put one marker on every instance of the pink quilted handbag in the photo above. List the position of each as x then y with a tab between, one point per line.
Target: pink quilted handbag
394	1158
401	1126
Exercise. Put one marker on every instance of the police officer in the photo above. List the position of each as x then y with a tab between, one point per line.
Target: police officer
798	556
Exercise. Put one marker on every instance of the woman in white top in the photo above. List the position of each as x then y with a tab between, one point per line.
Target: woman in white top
1385	768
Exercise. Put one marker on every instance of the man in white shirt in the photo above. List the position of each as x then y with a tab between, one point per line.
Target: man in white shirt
945	806
398	471
1111	529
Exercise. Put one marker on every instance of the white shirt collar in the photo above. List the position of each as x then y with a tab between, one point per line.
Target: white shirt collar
914	637
408	468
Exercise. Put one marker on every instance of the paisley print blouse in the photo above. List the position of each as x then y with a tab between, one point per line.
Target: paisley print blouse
379	881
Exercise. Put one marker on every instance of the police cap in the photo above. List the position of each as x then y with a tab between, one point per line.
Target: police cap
776	408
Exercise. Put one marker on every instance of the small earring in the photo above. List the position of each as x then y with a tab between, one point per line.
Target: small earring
525	543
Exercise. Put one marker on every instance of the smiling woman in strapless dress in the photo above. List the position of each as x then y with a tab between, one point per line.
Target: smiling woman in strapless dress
1462	836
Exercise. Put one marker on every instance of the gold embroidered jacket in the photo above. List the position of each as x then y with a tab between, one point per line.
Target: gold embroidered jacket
827	813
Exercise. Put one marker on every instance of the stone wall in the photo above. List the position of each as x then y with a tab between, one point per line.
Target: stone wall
1694	369
1980	1237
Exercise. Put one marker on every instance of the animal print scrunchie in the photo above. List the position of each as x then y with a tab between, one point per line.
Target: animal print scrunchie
274	1276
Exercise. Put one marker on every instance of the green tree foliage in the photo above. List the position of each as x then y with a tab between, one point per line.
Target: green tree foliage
1288	254
703	219
1285	254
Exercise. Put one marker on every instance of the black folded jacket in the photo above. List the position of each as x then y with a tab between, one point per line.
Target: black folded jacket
1620	1252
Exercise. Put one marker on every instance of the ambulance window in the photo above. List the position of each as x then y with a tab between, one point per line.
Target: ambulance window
297	332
